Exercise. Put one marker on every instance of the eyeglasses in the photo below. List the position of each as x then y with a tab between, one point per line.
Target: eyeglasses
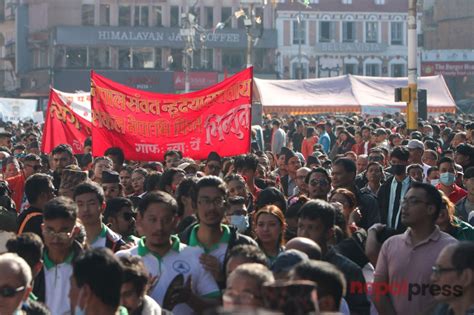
437	270
321	182
128	216
218	202
62	236
8	292
241	298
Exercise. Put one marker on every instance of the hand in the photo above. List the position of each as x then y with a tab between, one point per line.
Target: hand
355	216
212	265
152	281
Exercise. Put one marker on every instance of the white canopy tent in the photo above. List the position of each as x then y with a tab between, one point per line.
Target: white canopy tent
349	93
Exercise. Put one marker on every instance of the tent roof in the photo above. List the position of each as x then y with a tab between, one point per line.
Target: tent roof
348	93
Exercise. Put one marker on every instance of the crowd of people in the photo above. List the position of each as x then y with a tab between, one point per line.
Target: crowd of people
327	215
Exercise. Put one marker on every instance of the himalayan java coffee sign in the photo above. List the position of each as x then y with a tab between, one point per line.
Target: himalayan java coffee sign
146	125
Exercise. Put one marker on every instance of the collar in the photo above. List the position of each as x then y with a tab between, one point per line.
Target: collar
144	250
193	240
405	181
50	264
103	233
434	236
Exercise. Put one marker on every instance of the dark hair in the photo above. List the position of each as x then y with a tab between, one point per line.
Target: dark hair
463	256
209	181
318	210
320	170
431	170
114	205
90	187
62	148
28	246
271	196
185	189
134	271
173	152
330	280
152	181
60	208
376	164
232	177
348	165
248	161
309	132
236	201
36	185
117	152
400	153
157	197
167	177
294	208
101	270
32	158
432	194
251	253
446	159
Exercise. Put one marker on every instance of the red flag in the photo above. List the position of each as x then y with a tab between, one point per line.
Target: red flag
63	125
146	125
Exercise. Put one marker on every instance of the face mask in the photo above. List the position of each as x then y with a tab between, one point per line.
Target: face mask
447	179
399	169
241	222
434	182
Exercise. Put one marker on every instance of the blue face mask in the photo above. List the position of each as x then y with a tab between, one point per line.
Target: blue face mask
447	178
241	222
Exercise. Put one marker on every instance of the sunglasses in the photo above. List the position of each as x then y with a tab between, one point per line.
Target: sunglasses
128	216
8	292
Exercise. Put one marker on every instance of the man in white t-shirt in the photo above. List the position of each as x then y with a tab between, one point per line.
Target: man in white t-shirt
167	259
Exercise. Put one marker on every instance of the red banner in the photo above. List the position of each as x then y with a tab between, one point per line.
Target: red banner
63	125
146	125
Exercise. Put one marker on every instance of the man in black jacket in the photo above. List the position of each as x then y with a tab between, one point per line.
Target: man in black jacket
215	239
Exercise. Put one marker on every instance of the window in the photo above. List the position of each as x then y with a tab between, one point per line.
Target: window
346	1
209	23
158	15
124	58
297	68
379	2
125	15
141	16
372	70
233	59
158	58
299	32
371	32
174	16
350	68
207	59
397	70
327	31
226	16
104	14
396	33
143	58
348	32
76	57
87	14
40	58
99	57
177	63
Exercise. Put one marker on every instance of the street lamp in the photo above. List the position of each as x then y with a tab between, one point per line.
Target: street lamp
249	22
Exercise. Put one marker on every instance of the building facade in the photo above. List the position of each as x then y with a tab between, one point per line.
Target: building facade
335	37
141	43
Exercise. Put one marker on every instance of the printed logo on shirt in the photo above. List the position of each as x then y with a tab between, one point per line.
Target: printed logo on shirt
181	266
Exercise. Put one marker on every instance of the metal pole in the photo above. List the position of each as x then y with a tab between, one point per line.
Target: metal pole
412	108
300	65
249	38
187	26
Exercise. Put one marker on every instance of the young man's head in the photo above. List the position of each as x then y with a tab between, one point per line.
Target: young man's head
96	282
111	185
209	200
319	183
119	216
117	156
157	218
59	224
415	171
100	165
316	222
135	283
90	201
331	282
244	254
292	162
172	159
31	164
61	156
447	171
343	173
433	175
399	160
246	165
236	213
39	189
213	164
15	283
421	203
28	246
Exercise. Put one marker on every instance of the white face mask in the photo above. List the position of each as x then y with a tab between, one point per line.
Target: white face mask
434	182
